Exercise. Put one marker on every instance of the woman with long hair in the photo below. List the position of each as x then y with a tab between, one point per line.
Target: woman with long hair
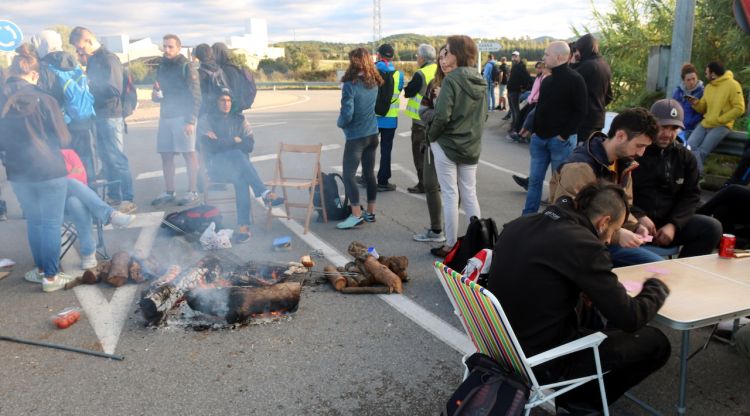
455	134
357	118
32	132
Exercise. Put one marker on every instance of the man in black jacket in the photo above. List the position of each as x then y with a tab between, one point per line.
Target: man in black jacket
104	71
178	90
666	192
559	112
539	285
518	82
598	77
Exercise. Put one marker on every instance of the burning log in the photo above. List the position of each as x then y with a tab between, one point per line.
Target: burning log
238	304
118	272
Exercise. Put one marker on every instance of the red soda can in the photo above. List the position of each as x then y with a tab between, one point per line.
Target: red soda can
726	246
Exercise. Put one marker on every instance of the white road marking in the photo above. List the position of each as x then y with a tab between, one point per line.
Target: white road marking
305	98
404	134
502	169
181	170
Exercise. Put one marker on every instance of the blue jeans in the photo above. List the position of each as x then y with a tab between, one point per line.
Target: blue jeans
43	204
544	151
116	167
386	146
82	206
234	166
490	96
622	256
703	141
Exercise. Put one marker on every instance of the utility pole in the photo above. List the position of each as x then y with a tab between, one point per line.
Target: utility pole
682	42
375	24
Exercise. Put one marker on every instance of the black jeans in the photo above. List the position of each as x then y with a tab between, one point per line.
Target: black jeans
418	140
357	150
699	236
514	105
626	358
386	146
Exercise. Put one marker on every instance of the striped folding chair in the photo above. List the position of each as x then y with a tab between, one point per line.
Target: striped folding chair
485	323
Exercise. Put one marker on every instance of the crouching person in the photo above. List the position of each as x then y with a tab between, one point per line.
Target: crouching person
539	284
227	140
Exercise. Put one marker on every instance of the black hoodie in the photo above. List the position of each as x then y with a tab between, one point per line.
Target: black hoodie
598	77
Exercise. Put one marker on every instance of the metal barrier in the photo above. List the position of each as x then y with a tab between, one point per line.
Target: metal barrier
734	144
292	85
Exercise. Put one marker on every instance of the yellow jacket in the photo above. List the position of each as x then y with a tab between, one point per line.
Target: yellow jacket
722	102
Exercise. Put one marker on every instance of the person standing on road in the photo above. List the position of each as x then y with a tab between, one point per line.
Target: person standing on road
431	186
597	75
502	84
177	89
414	91
357	119
32	132
691	86
488	75
455	134
105	82
518	82
387	124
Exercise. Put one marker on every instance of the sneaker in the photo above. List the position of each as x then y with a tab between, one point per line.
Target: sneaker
127	207
188	198
89	261
368	216
33	276
441	251
515	138
270	198
3	216
522	182
118	219
360	179
386	187
242	235
164	198
507	117
416	189
57	283
350	223
430	236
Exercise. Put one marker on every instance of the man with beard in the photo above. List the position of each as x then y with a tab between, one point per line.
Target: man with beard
598	77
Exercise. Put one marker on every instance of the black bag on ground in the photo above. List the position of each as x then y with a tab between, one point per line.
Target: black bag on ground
192	220
481	234
488	390
336	208
385	94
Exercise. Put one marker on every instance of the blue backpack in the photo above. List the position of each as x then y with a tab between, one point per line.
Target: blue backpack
79	102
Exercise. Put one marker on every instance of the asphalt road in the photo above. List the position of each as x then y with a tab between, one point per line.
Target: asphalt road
337	355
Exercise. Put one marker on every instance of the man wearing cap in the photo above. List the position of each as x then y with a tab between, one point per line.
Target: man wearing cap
387	124
414	91
519	81
666	191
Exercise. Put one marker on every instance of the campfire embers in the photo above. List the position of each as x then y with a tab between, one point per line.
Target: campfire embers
248	291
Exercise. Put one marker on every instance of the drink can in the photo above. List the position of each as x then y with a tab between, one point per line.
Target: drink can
726	246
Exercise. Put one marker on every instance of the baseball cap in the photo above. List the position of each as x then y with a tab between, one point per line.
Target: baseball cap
386	51
516	53
668	112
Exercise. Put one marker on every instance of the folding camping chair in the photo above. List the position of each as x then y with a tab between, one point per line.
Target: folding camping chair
485	322
70	234
307	182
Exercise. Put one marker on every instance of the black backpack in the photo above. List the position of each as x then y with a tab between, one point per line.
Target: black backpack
385	94
129	95
336	209
496	72
481	233
217	82
192	220
488	390
242	84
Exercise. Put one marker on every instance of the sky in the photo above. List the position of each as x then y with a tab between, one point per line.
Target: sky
351	21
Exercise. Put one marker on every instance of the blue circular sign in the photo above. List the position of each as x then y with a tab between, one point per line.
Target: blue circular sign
10	36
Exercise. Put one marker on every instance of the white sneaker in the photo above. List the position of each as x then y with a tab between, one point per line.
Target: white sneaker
430	235
118	219
89	261
33	276
188	198
57	283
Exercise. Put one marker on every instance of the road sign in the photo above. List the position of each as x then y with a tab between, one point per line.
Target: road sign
10	36
489	46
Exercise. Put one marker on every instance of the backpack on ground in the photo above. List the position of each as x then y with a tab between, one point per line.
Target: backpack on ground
488	390
78	102
242	84
336	208
192	220
496	73
481	233
385	94
129	95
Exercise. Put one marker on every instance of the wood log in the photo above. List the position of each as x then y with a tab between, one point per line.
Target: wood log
75	282
118	272
396	264
382	274
135	271
361	280
99	273
335	278
244	302
372	290
151	268
351	281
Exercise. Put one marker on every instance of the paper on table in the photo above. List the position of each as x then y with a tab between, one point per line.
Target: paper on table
631	286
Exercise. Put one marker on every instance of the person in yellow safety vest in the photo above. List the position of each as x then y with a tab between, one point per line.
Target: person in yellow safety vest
387	125
414	91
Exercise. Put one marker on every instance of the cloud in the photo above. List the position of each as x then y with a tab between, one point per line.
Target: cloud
199	21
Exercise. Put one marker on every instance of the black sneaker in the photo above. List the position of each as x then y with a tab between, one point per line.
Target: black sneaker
522	182
416	189
507	117
360	180
386	187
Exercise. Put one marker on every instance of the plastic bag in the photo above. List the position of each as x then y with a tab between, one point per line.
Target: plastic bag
66	317
213	240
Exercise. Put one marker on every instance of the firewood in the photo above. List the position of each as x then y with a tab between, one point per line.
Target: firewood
373	290
382	274
396	264
90	277
335	278
357	250
351	281
362	280
75	282
151	268
134	271
118	273
100	272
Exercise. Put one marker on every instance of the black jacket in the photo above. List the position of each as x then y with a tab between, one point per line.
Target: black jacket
519	79
665	185
226	127
562	103
538	283
598	77
179	83
104	71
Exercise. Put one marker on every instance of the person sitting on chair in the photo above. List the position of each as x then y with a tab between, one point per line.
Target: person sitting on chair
227	139
539	282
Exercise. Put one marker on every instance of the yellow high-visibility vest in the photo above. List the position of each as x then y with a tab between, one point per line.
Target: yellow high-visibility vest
412	107
393	111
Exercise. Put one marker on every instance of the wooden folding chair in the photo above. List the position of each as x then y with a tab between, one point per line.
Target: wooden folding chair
285	182
485	322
